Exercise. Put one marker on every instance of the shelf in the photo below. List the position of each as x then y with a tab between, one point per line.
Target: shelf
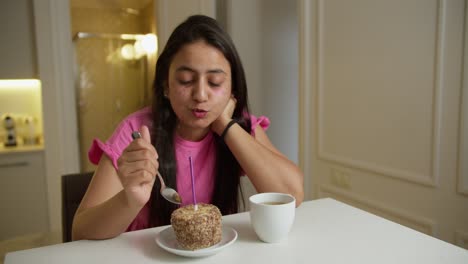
20	149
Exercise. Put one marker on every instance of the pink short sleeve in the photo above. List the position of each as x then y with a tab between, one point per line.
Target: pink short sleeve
121	137
261	121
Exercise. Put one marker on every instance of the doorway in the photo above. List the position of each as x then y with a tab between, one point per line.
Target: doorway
115	46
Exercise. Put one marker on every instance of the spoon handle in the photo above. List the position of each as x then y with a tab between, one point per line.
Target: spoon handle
163	185
176	197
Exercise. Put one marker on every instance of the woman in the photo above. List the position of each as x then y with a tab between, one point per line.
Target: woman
200	110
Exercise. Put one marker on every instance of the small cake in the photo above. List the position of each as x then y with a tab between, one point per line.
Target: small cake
197	229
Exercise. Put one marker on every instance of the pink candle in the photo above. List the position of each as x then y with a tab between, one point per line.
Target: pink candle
193	183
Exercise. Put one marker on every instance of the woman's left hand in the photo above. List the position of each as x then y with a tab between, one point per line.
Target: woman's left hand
221	122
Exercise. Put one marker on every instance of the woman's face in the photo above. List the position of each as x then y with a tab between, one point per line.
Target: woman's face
199	88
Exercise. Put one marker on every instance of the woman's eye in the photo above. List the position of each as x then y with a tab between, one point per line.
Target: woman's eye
212	84
185	82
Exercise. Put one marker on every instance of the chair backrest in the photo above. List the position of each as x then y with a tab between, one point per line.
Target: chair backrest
73	189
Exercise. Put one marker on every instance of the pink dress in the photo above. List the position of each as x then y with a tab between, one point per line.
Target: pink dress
203	155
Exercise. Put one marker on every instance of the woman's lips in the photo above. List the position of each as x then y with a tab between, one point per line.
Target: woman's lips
199	113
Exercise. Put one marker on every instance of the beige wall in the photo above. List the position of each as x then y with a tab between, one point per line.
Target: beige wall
244	25
171	13
382	85
18	40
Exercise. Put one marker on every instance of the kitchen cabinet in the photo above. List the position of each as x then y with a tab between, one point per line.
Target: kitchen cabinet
23	204
17	48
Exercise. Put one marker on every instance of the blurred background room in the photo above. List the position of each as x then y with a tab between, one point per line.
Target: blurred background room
368	97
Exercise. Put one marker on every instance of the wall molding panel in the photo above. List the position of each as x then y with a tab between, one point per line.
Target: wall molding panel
380	169
413	221
427	179
388	109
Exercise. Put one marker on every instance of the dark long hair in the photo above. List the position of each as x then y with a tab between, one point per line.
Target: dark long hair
227	169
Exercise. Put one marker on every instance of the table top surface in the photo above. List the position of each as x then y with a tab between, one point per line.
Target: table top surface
324	231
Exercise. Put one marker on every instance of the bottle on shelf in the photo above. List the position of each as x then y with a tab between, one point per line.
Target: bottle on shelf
29	137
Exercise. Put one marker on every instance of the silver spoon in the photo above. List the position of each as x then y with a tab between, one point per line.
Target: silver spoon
168	193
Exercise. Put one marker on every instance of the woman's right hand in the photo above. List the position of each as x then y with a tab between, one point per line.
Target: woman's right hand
137	170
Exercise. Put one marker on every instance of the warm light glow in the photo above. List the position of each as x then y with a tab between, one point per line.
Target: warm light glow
150	43
20	84
139	50
127	52
146	45
127	36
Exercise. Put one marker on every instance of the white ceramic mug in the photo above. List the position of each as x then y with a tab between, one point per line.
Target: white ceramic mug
272	215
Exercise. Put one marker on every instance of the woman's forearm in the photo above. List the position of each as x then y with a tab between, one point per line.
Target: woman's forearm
269	171
103	221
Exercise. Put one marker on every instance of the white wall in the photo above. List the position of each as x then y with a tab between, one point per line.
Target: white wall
17	52
55	67
243	24
265	33
170	13
279	40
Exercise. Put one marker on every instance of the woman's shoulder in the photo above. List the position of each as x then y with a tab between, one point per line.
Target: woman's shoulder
136	119
142	114
133	122
121	136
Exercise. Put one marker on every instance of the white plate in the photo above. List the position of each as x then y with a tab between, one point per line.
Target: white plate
166	239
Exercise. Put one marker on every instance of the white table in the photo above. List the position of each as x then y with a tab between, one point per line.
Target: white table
325	231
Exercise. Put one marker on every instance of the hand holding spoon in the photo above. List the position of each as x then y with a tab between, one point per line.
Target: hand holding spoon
168	193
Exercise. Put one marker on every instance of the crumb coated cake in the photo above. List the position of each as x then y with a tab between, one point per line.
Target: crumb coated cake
197	229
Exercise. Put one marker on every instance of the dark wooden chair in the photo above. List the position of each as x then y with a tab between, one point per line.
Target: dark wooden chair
73	189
